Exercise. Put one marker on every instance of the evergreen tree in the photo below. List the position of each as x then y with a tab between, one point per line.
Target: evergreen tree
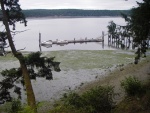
138	24
12	13
138	27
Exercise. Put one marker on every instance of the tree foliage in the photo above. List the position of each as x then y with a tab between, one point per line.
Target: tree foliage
3	36
132	86
37	67
96	100
137	27
12	13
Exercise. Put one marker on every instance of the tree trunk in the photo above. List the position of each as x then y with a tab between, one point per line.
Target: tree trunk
28	85
29	90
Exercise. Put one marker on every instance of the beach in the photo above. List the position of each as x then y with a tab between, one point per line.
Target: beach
82	70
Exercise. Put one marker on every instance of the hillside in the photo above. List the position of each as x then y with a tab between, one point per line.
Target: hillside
72	13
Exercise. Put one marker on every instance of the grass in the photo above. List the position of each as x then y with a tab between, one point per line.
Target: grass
8	57
87	59
83	59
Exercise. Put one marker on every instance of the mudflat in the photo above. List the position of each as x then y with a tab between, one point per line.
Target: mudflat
84	69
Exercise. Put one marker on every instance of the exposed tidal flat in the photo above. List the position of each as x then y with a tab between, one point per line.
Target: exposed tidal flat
77	68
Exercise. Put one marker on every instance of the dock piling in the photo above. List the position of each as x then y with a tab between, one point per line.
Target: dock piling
40	42
102	39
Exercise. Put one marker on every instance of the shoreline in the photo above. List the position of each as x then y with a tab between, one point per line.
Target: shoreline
76	70
71	17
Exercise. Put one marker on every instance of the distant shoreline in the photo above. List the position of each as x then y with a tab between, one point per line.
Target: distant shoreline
63	17
73	13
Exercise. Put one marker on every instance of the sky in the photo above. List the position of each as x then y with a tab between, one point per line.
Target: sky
79	4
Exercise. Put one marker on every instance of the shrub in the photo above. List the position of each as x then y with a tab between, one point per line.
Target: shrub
26	109
74	99
16	107
132	86
99	99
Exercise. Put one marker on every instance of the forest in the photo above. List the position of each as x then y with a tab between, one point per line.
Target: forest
73	13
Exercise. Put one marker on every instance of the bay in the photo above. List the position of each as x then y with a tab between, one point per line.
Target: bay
63	29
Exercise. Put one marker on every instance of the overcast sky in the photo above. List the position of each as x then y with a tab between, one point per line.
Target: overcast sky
78	4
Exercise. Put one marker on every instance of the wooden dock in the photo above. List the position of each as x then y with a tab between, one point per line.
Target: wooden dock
49	43
77	41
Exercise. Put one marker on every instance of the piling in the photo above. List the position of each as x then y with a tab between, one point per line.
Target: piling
109	40
65	42
103	39
40	42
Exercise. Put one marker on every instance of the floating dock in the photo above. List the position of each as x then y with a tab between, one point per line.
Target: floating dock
77	41
49	43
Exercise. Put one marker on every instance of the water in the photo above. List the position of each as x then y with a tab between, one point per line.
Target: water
63	29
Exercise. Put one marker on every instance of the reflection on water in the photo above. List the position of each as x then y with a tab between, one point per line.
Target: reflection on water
78	46
63	29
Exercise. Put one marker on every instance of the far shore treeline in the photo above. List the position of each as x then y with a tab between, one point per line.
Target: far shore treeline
72	13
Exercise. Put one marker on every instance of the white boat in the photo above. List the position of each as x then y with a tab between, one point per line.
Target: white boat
47	44
62	42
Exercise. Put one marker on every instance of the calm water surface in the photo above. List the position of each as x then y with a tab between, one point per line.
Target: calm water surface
63	29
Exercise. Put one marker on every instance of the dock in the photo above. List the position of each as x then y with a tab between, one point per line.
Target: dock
77	41
49	43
